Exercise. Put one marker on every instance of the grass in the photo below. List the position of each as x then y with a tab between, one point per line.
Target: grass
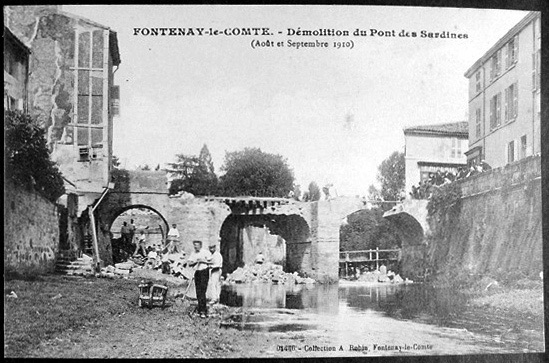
35	316
99	318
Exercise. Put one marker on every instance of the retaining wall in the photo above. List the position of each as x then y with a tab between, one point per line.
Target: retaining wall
31	231
497	231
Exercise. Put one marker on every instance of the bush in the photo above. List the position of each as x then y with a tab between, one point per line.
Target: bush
27	158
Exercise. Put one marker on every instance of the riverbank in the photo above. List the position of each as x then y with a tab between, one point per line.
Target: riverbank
77	317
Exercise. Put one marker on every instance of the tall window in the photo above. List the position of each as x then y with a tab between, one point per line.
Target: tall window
456	148
512	52
523	146
495	111
478	122
536	70
511	102
496	65
511	152
478	85
90	78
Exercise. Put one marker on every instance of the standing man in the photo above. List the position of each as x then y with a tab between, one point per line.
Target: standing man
141	244
125	233
214	285
173	235
131	229
200	259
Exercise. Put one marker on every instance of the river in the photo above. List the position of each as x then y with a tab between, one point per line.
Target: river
381	319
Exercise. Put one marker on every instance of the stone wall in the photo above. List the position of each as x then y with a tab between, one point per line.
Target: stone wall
498	230
31	231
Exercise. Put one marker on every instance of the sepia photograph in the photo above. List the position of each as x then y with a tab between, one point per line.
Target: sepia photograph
272	181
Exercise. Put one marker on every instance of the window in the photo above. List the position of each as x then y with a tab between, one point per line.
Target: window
511	102
511	152
496	64
536	70
495	111
523	147
478	122
456	148
478	86
512	52
90	79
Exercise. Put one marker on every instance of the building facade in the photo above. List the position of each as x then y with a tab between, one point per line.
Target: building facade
504	97
432	148
70	87
69	90
16	72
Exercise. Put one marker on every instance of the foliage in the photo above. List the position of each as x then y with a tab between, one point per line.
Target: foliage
445	199
391	175
27	158
367	229
194	174
314	192
256	173
297	192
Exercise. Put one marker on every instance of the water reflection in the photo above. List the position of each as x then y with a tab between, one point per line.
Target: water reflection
400	301
321	299
392	311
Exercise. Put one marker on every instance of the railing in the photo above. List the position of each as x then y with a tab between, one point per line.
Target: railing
369	256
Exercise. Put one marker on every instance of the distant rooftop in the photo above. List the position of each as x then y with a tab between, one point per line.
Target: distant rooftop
460	128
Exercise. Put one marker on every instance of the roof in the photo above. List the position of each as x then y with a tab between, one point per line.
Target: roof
511	33
9	36
460	128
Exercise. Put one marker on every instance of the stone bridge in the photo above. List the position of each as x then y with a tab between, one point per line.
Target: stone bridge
410	220
310	230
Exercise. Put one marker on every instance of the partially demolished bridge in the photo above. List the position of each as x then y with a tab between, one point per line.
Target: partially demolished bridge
310	229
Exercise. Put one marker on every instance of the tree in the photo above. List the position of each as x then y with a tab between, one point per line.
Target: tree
391	175
256	173
194	174
27	158
373	193
297	192
314	192
367	229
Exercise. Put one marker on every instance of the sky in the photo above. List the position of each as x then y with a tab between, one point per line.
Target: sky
334	114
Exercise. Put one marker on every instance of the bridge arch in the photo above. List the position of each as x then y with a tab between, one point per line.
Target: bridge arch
119	211
284	239
410	220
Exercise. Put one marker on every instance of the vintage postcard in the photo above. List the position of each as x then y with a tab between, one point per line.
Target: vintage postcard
192	181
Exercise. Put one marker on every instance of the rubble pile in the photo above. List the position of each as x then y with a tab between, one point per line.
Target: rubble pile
119	270
267	272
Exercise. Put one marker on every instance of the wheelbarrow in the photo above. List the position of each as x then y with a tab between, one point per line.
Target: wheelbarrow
152	294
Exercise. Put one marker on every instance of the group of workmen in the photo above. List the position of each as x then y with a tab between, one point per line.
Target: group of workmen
206	264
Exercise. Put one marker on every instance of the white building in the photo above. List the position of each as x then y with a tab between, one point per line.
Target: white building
430	148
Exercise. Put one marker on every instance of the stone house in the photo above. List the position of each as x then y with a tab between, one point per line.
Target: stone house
70	91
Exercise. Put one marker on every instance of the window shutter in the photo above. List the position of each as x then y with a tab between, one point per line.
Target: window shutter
498	109
492	114
515	56
516	145
515	99
506	56
506	105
